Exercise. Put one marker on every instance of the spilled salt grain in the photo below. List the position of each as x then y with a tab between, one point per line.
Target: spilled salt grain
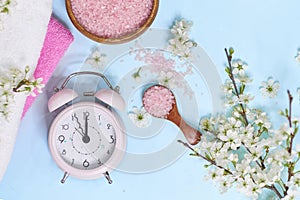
111	18
158	101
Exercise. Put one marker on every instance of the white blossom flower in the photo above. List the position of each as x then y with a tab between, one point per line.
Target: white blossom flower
247	132
254	154
38	85
269	88
228	88
244	79
260	178
222	157
214	174
245	98
225	183
253	190
180	47
232	138
243	168
214	147
244	182
229	103
204	144
262	120
140	117
96	59
181	44
167	79
181	26
239	67
234	123
295	180
206	124
13	81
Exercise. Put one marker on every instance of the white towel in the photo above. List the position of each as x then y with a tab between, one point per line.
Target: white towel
21	41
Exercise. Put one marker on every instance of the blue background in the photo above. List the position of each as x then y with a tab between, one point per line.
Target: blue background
266	34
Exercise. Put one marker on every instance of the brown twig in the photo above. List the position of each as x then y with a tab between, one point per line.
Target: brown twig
203	157
274	189
229	59
290	147
289	117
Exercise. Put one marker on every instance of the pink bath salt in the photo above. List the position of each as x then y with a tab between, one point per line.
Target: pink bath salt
158	101
111	18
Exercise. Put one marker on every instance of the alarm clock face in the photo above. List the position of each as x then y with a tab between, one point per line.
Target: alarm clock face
83	140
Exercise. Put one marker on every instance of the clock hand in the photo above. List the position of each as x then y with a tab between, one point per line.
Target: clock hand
79	125
86	125
81	133
86	138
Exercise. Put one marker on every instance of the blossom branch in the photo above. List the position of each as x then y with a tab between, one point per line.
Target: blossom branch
289	117
242	142
230	73
15	81
274	189
243	113
291	165
203	157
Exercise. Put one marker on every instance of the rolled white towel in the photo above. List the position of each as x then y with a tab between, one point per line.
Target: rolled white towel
21	40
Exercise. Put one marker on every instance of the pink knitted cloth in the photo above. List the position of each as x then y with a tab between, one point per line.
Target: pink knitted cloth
56	42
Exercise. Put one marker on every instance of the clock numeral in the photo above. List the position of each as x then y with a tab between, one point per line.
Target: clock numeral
86	114
72	163
99	119
86	163
108	152
61	138
65	127
74	117
64	152
99	162
112	139
109	126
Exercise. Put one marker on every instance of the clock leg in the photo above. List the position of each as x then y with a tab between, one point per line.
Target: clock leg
66	175
106	174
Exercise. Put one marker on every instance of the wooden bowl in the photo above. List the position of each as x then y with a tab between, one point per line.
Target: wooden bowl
122	39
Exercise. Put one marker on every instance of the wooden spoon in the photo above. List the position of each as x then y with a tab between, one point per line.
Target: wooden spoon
192	135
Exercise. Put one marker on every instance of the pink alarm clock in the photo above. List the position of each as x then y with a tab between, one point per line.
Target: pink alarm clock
86	139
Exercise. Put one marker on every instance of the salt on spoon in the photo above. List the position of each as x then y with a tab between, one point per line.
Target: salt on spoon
160	102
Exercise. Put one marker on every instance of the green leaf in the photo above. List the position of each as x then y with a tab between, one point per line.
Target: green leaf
5	10
296	130
207	156
242	88
234	163
231	51
207	165
227	69
281	113
286	112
